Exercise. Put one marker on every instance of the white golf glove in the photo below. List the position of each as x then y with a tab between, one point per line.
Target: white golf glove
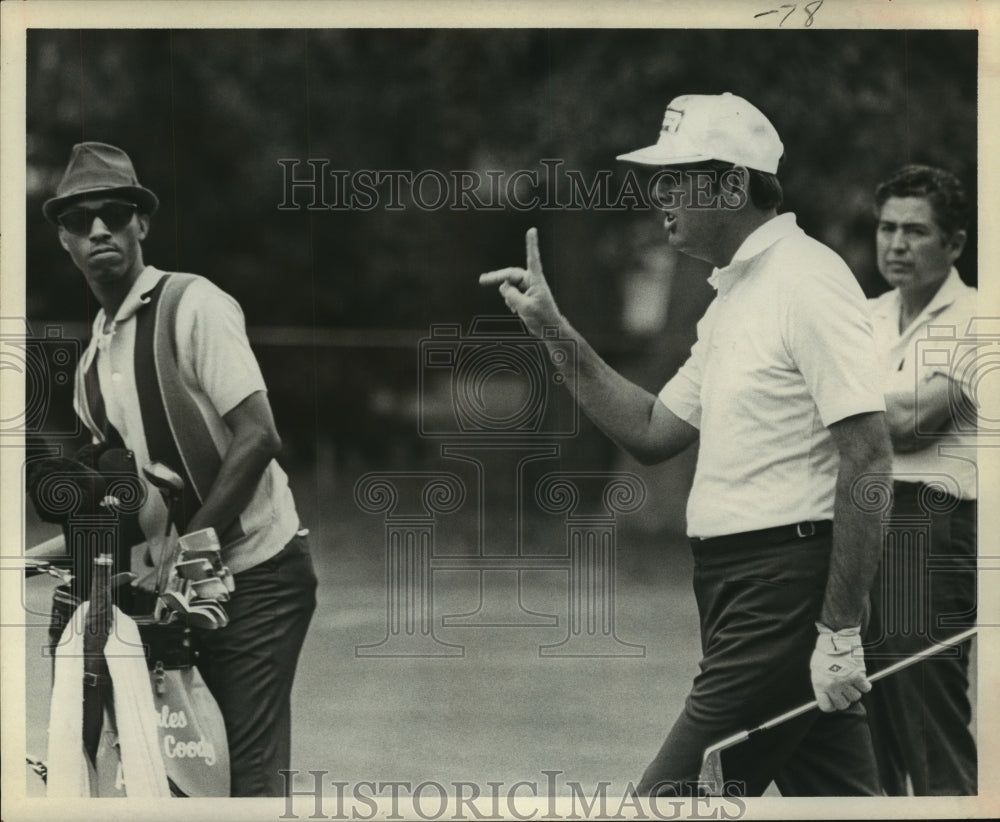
838	668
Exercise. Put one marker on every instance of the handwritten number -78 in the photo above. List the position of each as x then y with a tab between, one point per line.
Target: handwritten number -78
810	9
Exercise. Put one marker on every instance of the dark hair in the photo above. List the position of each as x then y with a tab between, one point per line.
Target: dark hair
764	189
941	188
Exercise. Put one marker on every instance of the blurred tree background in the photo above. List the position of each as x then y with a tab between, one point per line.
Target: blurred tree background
337	300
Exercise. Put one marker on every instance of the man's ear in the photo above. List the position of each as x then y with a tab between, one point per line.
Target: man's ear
143	225
62	238
957	244
735	187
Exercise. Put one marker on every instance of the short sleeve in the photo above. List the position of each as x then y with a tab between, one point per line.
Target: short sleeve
682	393
830	339
948	345
224	364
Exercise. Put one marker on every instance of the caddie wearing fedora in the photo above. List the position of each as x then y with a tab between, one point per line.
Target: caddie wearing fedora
782	393
169	372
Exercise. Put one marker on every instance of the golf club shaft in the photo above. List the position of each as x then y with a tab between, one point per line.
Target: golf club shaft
162	572
937	647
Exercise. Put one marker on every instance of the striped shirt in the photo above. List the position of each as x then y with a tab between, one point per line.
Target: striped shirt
173	363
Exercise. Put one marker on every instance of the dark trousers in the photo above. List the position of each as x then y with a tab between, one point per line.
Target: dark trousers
249	665
925	591
757	609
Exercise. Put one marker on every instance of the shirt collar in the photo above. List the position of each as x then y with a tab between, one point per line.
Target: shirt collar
950	290
757	242
137	297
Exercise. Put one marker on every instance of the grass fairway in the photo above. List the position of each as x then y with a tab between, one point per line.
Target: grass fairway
500	712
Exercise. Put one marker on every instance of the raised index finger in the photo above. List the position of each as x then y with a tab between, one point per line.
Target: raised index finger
531	246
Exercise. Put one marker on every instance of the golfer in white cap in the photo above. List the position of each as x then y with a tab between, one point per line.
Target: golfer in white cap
782	392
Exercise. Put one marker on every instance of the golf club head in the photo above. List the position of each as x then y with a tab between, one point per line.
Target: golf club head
33	567
164	478
710	777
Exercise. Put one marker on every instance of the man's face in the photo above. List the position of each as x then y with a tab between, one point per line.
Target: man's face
914	254
103	237
696	203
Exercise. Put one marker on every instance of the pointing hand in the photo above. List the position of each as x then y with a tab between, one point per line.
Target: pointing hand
525	290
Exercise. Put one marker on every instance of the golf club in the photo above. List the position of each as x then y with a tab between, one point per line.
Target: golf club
34	567
711	780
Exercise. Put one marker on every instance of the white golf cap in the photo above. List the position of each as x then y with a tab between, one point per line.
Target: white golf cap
699	127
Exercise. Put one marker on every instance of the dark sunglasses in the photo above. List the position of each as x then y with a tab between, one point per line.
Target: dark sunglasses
79	220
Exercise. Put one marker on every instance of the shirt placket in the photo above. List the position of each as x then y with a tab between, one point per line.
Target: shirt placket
718	348
905	348
110	365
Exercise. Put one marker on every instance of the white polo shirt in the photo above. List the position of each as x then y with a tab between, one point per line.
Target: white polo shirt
784	350
219	369
936	342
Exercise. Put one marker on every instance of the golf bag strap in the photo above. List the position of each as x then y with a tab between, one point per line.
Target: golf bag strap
157	372
176	431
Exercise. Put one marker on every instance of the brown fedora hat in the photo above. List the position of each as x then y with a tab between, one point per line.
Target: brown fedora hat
97	168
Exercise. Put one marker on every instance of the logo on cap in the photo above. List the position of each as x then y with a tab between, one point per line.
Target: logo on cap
672	121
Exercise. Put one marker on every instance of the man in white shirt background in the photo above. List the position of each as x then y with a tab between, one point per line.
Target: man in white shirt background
926	590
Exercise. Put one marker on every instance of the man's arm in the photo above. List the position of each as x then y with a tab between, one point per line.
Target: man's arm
837	666
632	417
865	460
255	443
906	414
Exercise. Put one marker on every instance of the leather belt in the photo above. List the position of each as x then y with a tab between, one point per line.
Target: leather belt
765	536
